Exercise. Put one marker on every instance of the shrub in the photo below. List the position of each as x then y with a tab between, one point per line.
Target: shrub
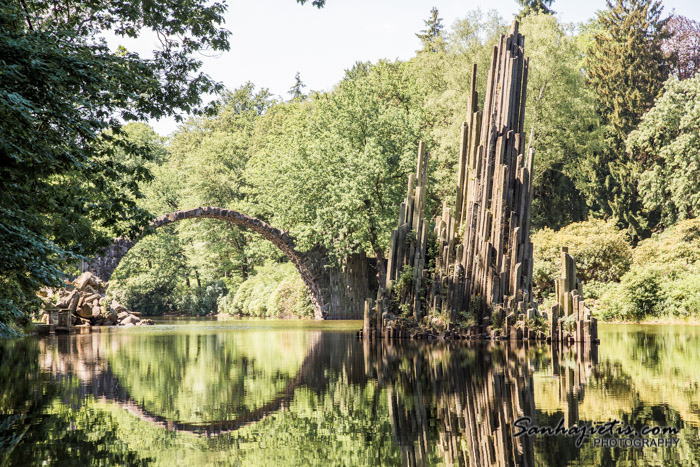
291	299
678	246
276	290
683	295
664	279
601	251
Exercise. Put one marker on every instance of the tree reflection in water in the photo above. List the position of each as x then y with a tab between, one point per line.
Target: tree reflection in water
326	398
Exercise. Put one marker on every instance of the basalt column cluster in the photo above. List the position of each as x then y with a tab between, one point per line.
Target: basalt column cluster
474	265
571	319
484	249
486	252
406	263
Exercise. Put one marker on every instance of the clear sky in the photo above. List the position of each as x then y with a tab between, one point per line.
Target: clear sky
273	39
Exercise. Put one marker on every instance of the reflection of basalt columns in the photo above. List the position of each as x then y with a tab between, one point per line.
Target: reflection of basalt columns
573	367
466	398
475	403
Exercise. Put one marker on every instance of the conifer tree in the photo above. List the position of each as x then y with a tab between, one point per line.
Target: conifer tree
296	91
432	32
626	68
535	7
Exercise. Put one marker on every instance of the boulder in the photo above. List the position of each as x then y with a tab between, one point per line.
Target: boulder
126	320
96	311
90	297
121	315
68	300
90	290
85	279
73	304
118	307
85	311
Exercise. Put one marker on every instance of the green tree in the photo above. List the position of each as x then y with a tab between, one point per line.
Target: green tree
442	78
561	121
297	90
64	94
180	269
535	7
211	154
431	35
332	169
667	140
626	68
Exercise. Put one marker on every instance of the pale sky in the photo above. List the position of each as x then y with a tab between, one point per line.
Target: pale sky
273	39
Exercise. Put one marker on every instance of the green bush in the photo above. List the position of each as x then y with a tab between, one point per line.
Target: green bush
683	295
200	301
601	251
276	290
664	280
291	299
678	245
639	295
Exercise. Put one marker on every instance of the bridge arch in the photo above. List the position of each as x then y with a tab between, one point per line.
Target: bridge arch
312	265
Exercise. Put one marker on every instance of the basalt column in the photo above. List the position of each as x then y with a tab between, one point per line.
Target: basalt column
406	263
484	259
493	261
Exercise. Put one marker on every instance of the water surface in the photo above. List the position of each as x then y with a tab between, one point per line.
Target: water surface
247	392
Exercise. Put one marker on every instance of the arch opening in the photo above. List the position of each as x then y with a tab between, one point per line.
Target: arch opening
311	265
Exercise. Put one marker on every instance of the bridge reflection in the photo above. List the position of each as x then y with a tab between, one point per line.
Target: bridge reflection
85	360
448	402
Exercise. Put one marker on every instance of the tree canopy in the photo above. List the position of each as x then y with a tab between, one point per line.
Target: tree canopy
535	7
668	141
626	67
79	167
66	187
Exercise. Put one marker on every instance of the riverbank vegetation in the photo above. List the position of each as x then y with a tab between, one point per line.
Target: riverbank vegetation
616	170
655	280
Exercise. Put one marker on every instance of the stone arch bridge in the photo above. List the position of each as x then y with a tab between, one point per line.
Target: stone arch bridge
331	296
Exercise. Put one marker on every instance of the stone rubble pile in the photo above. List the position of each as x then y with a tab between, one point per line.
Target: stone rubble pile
85	298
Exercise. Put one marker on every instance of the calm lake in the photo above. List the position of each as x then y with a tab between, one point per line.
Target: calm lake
244	392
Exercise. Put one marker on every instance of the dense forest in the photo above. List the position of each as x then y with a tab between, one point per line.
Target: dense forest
613	114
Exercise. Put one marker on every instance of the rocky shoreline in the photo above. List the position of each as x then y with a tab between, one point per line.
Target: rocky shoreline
84	302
